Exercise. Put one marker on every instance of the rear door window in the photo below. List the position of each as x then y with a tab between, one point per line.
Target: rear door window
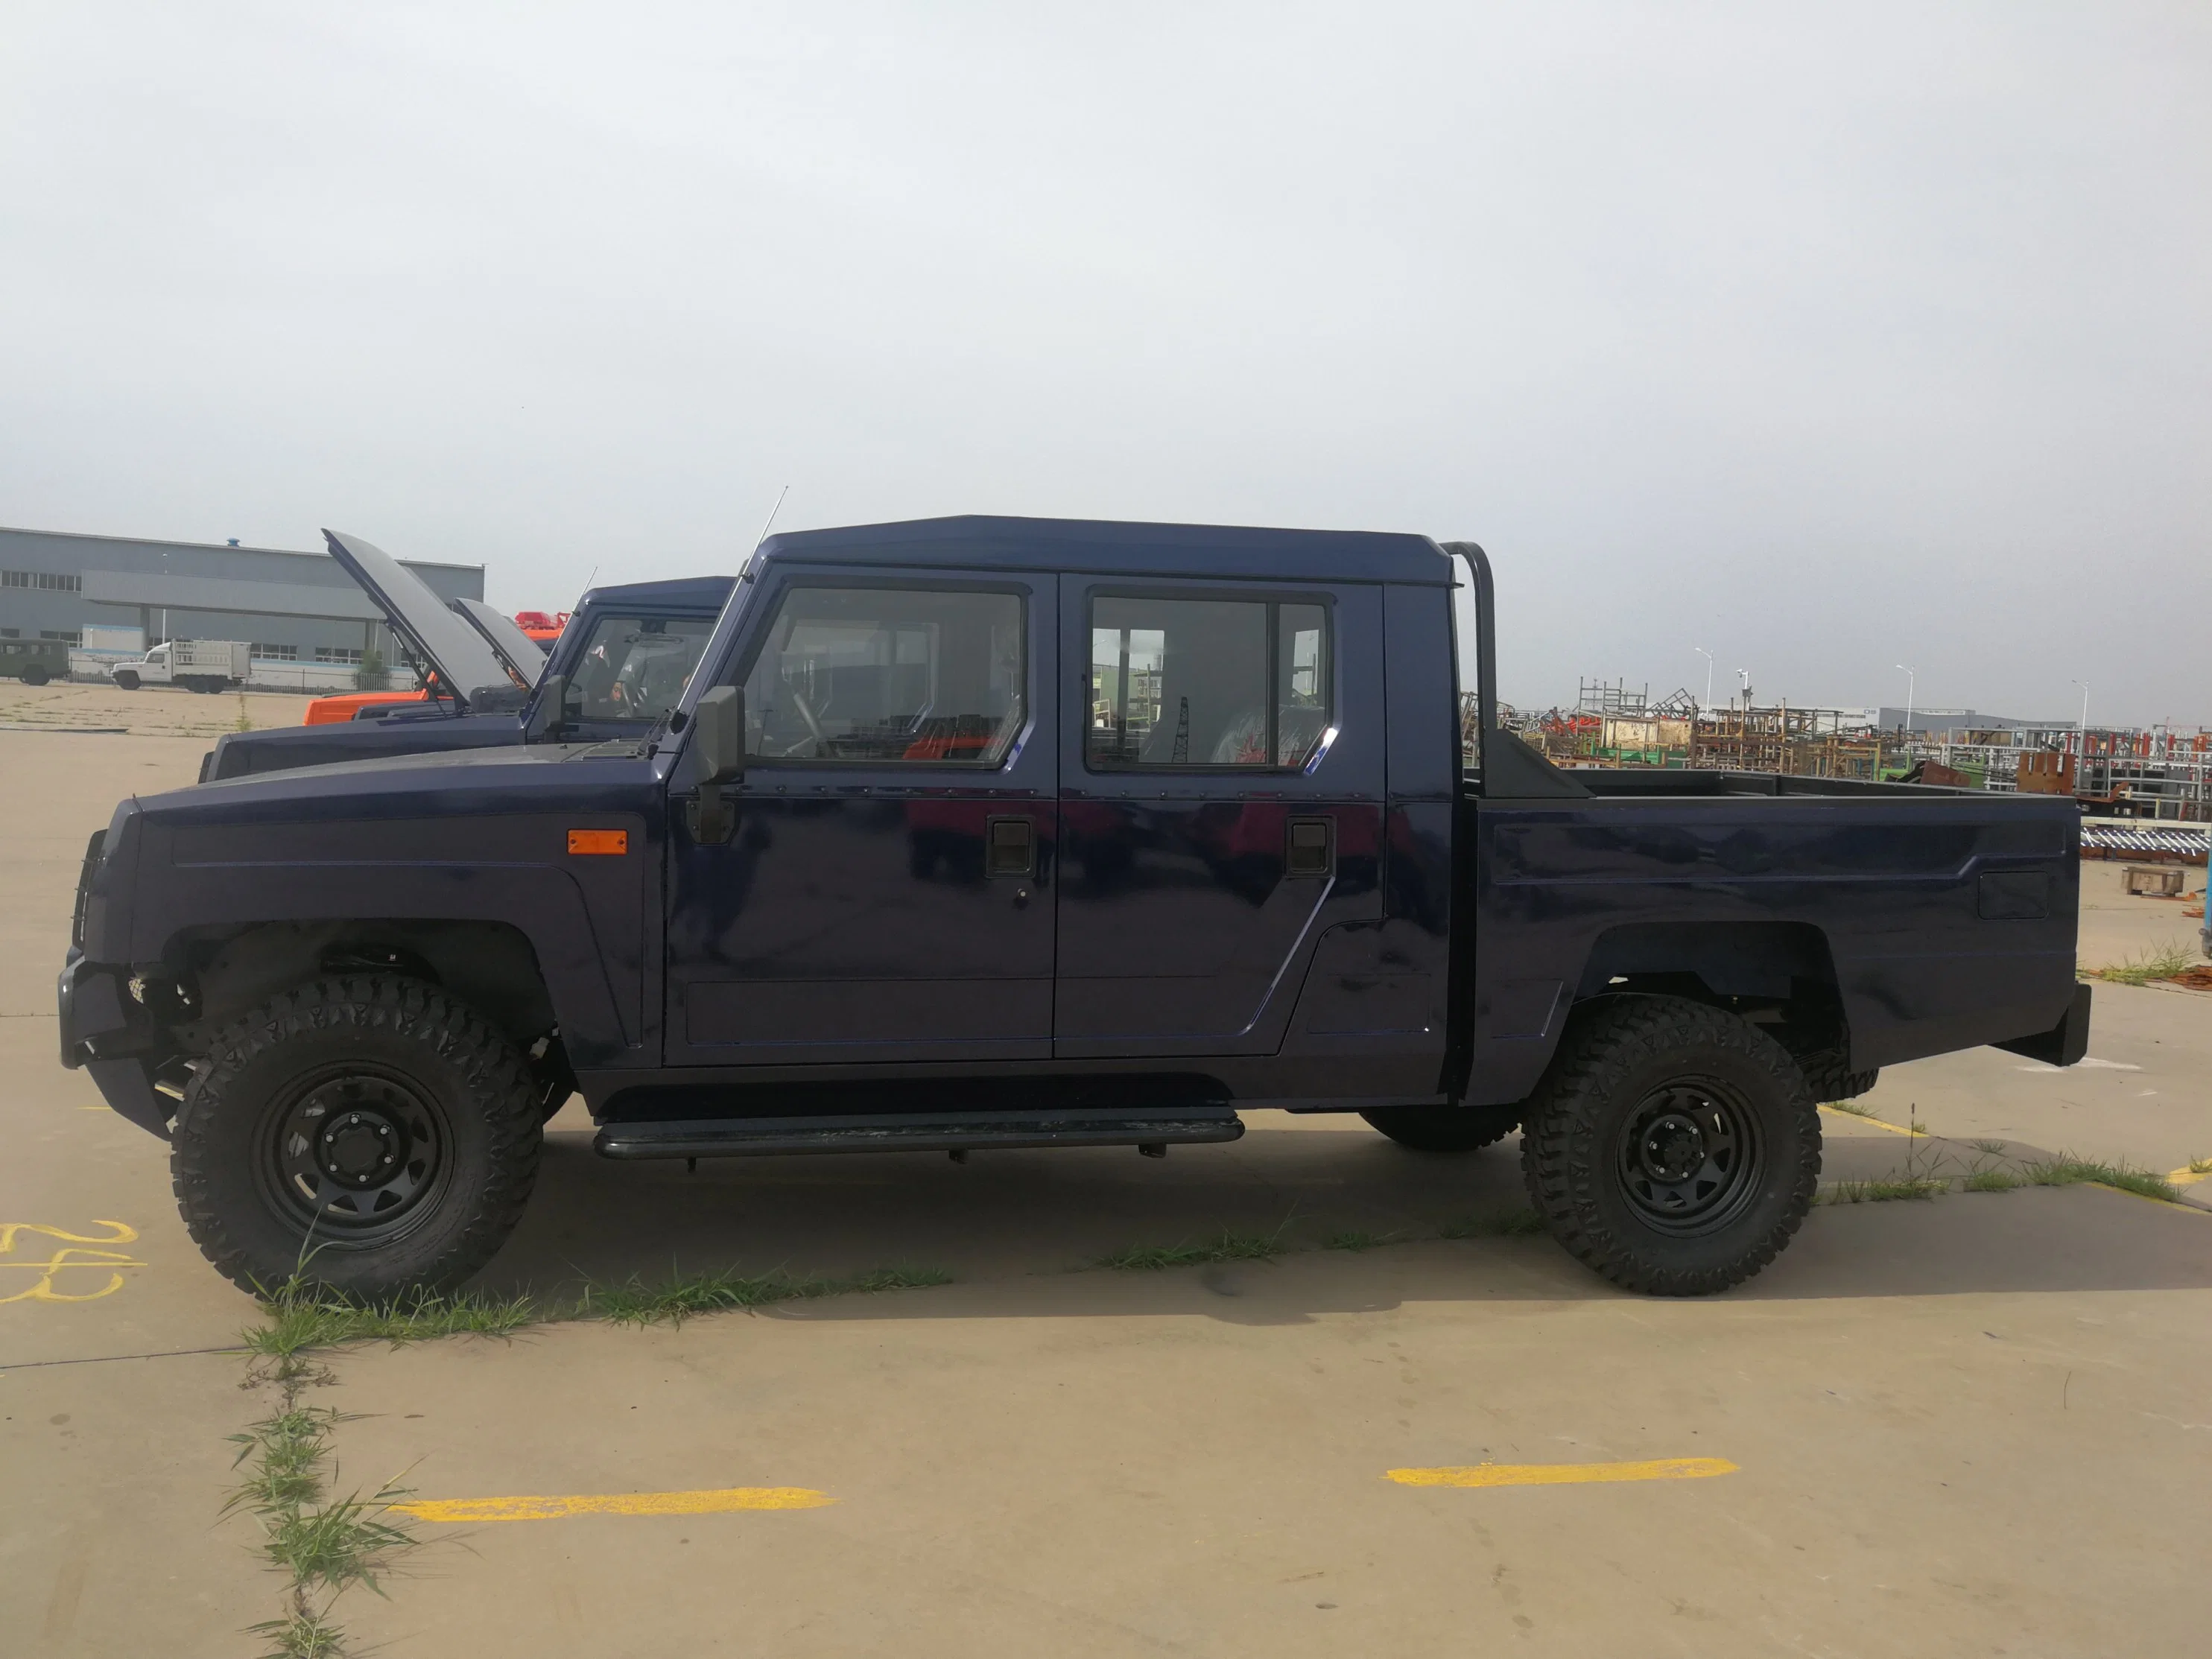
1205	684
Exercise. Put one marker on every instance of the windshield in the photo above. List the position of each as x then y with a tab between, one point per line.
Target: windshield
635	668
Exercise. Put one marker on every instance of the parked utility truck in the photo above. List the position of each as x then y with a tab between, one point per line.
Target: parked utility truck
196	664
984	834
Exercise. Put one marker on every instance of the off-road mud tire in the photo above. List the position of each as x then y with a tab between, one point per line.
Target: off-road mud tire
1445	1128
258	1067
1579	1154
1829	1076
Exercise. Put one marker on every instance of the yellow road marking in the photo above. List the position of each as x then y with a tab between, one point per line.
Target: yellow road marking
1861	1117
721	1501
2186	1176
66	1258
1563	1474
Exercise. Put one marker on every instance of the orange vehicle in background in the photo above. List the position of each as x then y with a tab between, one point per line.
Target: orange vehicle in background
542	627
348	705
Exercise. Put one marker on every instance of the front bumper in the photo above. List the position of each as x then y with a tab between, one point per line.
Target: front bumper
104	1030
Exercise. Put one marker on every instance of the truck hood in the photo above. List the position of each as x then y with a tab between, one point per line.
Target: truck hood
463	781
451	647
524	656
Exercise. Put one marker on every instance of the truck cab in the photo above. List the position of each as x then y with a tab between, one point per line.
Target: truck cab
981	833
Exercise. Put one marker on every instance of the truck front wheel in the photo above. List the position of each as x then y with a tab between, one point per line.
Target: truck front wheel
367	1135
127	680
1445	1128
1672	1147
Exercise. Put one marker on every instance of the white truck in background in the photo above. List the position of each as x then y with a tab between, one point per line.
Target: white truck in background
198	664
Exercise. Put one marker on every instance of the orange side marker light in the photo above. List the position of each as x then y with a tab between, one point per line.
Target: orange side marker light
615	841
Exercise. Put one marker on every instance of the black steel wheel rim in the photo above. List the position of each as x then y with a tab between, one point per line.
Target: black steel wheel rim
1689	1157
355	1155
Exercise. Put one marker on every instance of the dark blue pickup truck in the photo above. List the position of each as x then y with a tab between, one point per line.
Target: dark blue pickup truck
980	833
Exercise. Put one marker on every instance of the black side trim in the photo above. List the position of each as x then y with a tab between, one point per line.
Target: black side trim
758	1137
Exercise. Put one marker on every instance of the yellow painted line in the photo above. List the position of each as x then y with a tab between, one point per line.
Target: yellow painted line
2186	1176
721	1501
1563	1474
1858	1117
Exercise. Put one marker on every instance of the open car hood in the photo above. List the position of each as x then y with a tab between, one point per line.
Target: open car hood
465	665
523	655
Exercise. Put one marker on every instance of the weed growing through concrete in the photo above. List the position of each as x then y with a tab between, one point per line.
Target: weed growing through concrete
2067	1171
324	1546
1351	1239
634	1303
1883	1192
1994	1181
1229	1247
2200	1166
2161	962
1856	1107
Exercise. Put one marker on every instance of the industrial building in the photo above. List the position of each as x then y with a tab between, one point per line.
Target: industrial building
308	624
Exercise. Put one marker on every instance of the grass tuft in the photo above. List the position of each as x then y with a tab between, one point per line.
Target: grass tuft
1229	1247
1504	1224
1857	1108
298	1316
2161	962
301	1636
2067	1171
636	1302
1884	1192
1994	1181
1351	1239
2200	1166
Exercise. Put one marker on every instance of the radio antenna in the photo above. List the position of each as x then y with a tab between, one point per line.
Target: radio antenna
772	512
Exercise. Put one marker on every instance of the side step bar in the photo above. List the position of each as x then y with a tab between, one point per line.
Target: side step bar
762	1137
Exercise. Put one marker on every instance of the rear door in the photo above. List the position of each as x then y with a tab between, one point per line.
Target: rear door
1220	806
886	892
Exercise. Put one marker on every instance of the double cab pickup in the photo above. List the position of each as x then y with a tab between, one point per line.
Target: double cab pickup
982	833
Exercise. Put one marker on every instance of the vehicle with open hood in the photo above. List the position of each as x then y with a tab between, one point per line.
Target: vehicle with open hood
654	630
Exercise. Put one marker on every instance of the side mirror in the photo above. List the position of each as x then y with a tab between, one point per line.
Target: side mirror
550	712
718	736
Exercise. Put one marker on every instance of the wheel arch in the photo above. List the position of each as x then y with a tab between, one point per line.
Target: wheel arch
218	974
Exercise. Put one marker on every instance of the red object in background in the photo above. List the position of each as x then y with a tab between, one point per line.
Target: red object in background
542	626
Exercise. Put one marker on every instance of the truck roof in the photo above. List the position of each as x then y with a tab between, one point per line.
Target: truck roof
1108	547
701	592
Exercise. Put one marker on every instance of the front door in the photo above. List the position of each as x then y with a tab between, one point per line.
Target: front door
885	893
1220	809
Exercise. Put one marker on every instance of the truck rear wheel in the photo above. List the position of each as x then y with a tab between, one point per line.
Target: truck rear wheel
370	1135
1672	1147
1445	1128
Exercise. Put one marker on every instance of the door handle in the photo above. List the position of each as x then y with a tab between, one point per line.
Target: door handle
1310	848
1010	846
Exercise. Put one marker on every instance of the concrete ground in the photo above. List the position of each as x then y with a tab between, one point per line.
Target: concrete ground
1972	1425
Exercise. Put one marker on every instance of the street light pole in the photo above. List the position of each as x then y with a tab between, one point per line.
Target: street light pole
1708	656
2084	684
1911	683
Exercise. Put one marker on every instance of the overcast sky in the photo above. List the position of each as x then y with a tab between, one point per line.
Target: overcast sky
1828	338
